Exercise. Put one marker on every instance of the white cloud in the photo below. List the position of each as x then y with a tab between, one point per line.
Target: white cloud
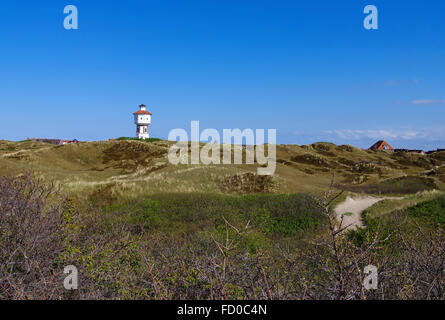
388	134
427	138
428	102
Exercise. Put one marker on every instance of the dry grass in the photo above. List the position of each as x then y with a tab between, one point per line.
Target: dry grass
388	206
134	167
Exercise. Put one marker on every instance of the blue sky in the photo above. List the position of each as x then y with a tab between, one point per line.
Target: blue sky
306	68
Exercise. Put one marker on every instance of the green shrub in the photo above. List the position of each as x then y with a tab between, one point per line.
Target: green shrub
185	213
428	213
433	210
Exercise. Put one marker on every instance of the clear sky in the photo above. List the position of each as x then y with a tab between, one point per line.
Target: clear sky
306	68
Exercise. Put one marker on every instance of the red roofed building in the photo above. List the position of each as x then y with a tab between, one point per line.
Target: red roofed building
381	145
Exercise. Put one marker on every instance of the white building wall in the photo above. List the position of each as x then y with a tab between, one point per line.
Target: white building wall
142	119
142	132
142	122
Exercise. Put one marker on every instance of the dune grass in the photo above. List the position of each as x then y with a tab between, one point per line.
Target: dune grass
142	167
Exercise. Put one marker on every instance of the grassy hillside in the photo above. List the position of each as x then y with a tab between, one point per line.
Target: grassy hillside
131	168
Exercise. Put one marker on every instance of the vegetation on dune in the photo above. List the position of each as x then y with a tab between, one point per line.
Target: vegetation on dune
415	241
138	139
248	183
132	156
428	215
283	215
138	227
433	210
401	185
31	237
410	159
126	161
198	246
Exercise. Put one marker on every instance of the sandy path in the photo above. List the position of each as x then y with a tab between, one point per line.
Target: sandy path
355	206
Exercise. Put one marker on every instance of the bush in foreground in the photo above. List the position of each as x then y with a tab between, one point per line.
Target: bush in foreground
122	258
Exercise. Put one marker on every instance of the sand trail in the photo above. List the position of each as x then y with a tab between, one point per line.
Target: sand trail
352	208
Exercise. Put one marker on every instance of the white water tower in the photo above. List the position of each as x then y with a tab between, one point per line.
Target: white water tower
142	119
